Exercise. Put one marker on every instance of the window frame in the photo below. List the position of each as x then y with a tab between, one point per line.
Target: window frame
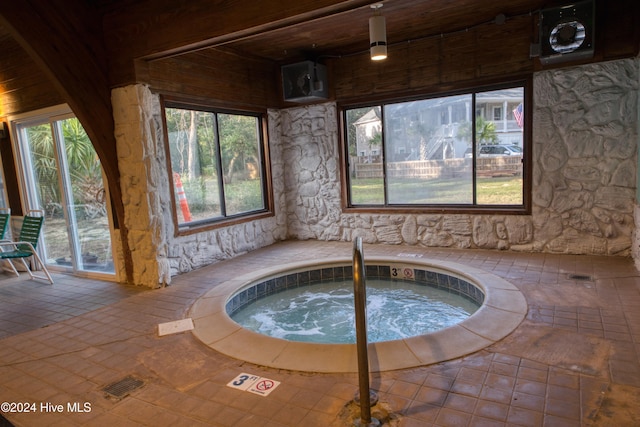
172	101
525	82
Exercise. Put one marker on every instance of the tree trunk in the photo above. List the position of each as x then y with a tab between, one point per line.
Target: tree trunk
193	165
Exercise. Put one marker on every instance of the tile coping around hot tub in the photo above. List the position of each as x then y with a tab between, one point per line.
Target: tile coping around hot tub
504	308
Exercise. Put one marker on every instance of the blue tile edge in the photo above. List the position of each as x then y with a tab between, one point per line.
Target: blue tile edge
439	280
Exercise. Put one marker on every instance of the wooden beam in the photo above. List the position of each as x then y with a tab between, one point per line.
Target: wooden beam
63	38
152	30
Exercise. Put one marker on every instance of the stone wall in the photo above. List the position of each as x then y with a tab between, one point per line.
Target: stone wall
189	252
585	150
309	138
157	252
141	165
585	137
192	251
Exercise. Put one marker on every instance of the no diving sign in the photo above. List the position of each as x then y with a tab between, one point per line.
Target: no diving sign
253	384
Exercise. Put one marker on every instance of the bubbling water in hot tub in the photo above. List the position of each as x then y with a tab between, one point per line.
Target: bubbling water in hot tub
323	312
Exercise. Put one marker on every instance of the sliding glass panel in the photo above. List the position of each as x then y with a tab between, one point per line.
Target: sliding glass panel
85	194
423	152
64	179
240	150
194	152
363	129
499	139
41	168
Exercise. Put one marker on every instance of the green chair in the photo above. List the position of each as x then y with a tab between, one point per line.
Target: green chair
5	216
25	247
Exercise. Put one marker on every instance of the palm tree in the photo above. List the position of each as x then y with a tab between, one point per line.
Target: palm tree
84	166
82	162
44	166
485	132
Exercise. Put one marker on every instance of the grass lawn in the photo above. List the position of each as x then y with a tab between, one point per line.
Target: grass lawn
203	197
490	191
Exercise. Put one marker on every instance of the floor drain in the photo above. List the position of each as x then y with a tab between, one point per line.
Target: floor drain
122	388
580	277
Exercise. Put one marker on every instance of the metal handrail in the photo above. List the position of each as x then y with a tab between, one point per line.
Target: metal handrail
360	302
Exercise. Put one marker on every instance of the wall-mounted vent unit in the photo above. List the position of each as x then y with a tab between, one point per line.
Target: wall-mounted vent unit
567	32
304	82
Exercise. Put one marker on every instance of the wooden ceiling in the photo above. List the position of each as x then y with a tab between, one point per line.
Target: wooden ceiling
347	33
335	28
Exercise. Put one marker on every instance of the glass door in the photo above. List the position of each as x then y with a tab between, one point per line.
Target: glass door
63	178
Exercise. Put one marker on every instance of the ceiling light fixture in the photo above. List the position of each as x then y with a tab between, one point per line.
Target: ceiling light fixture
377	34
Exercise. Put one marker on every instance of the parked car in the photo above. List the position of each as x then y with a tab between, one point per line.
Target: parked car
495	150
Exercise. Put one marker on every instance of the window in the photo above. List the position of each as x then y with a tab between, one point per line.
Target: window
497	113
61	176
439	154
217	164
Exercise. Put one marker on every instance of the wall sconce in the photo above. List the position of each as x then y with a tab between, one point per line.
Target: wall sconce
377	34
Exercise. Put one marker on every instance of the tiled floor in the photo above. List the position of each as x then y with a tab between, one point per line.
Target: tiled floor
30	304
574	361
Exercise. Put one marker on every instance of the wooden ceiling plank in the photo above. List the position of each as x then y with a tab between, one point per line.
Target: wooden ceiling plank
183	26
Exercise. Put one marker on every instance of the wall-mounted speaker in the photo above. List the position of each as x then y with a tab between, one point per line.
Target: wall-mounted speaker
567	32
304	82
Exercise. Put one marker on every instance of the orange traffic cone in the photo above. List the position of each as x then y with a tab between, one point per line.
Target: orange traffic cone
186	213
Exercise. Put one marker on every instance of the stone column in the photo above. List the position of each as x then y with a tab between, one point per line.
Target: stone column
142	165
